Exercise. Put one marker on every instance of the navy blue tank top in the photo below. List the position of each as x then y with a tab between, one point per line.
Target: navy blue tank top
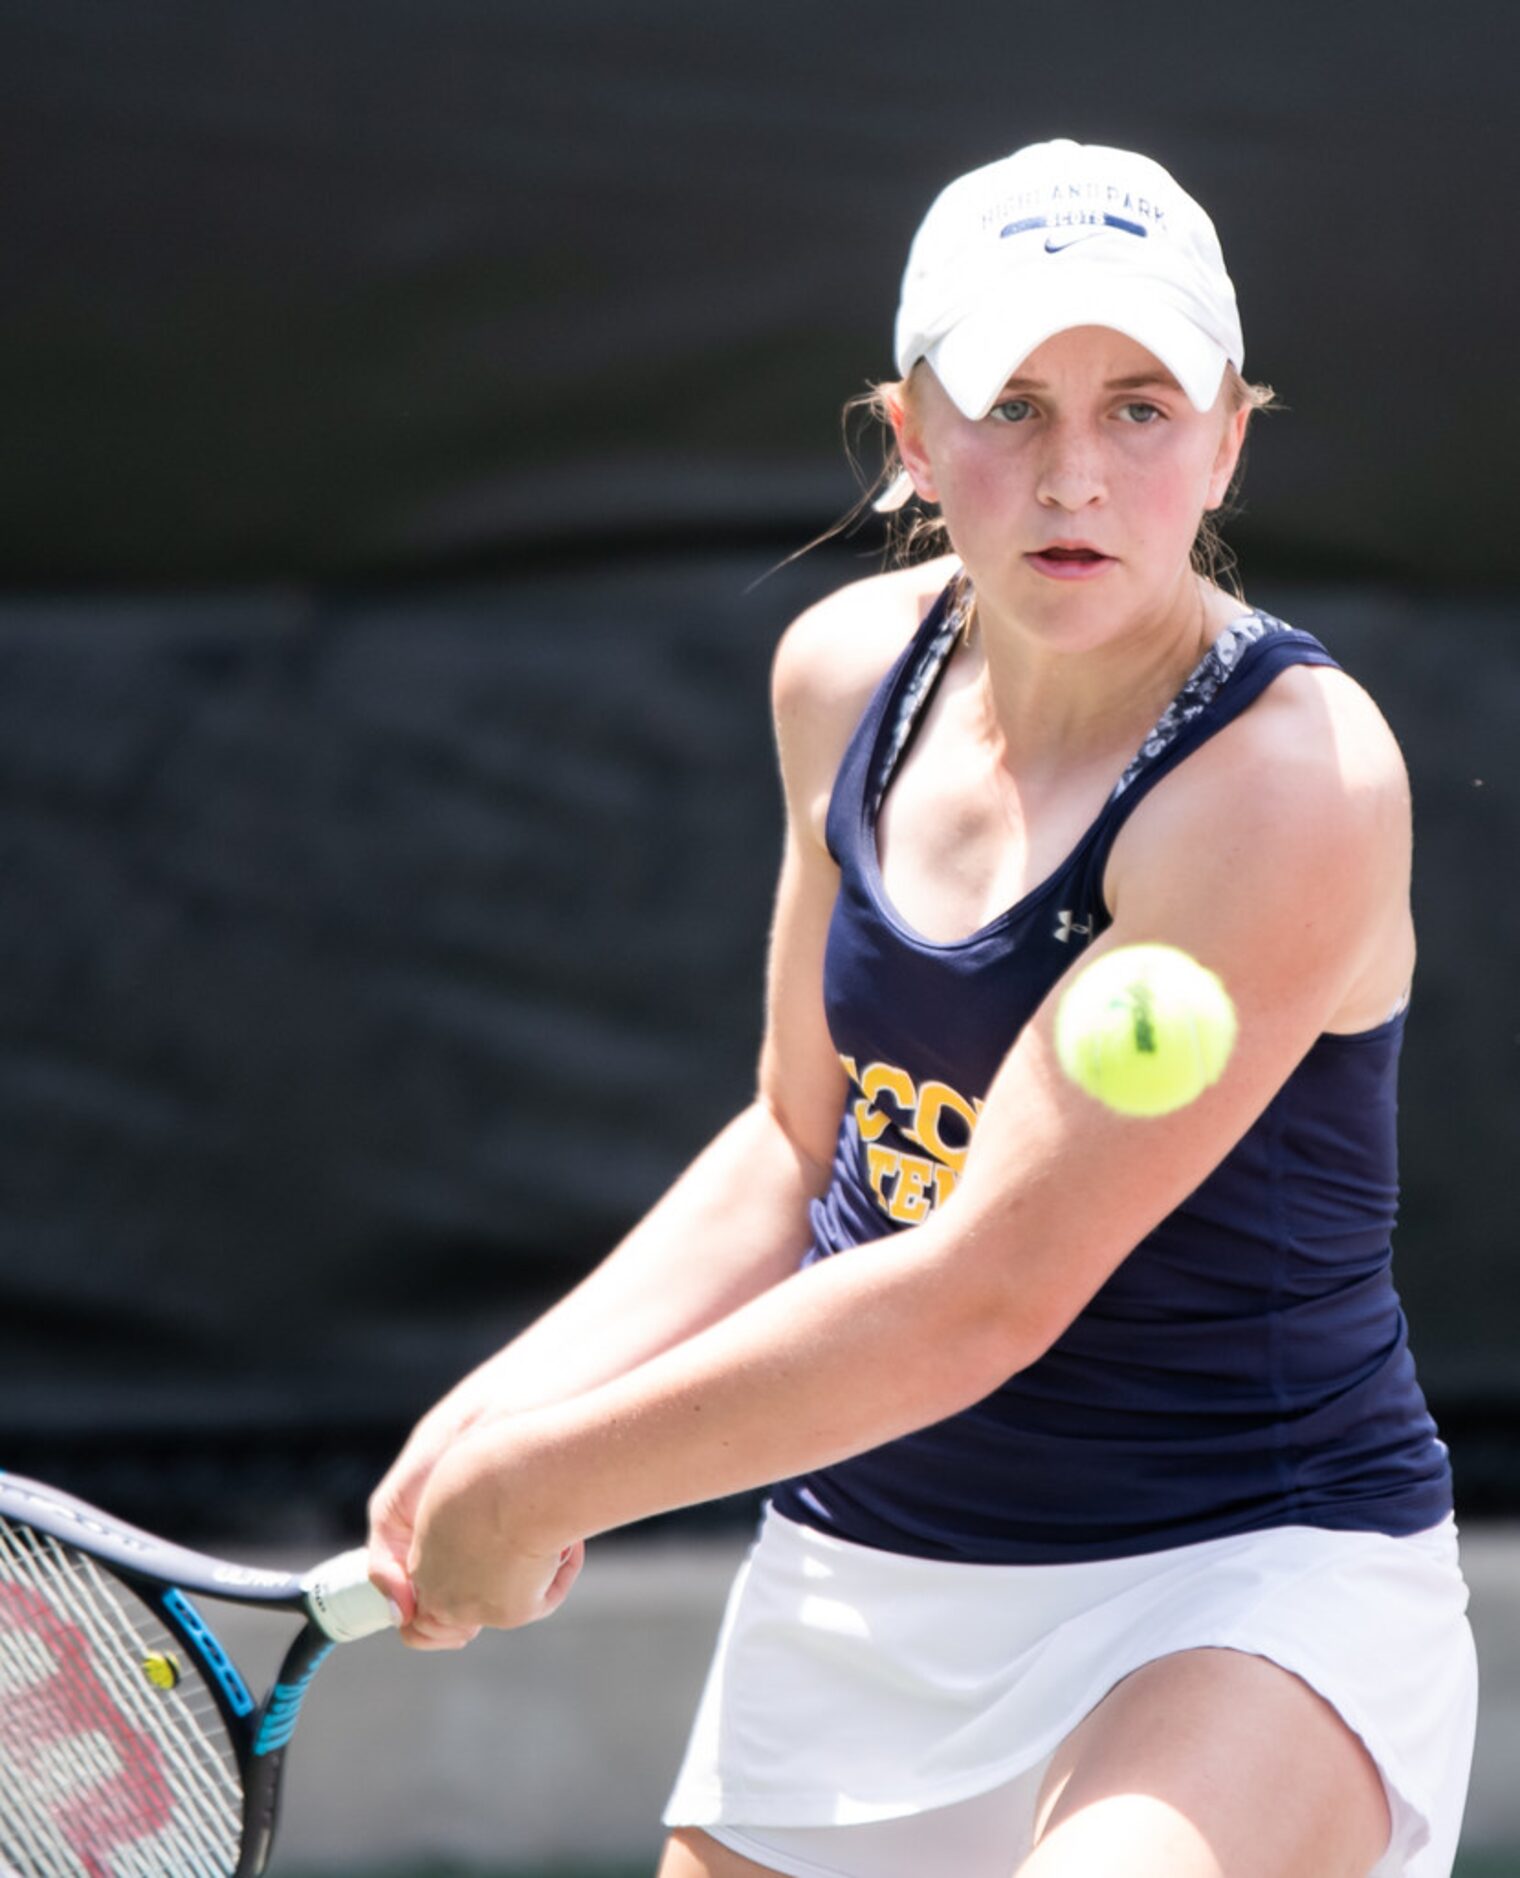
1247	1365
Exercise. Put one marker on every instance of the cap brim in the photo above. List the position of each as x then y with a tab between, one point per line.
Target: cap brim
981	352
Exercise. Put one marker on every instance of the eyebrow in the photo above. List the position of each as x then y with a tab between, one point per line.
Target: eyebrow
1138	381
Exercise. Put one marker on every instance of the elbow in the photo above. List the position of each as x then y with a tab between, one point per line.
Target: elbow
997	1325
992	1326
999	1344
811	1155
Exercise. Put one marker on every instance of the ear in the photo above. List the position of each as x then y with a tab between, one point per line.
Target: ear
1231	443
907	428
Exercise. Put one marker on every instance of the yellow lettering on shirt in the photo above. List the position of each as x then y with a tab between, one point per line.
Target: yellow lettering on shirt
882	1079
934	1099
881	1166
909	1204
939	1119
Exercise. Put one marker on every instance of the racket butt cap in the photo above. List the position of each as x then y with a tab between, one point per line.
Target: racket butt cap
343	1602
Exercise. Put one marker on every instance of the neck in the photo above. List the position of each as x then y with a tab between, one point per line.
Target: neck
1053	706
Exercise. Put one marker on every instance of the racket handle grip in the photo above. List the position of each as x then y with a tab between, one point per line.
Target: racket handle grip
343	1602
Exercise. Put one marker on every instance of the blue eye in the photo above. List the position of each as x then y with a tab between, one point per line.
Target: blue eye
1011	410
1141	413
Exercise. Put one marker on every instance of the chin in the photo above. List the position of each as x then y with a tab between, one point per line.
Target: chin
1099	600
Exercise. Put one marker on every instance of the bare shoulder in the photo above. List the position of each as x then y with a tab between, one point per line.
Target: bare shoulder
1315	733
830	661
844	642
1295	816
1312	751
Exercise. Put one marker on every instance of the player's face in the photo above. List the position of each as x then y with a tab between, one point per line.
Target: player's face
1075	502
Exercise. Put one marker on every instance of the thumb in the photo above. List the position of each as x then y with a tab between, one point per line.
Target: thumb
388	1575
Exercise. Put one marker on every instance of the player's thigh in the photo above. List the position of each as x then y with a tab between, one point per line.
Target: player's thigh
1211	1764
691	1854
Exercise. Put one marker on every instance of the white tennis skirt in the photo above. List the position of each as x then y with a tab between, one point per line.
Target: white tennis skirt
853	1687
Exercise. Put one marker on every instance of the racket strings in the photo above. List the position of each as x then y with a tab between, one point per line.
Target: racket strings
194	1790
114	1759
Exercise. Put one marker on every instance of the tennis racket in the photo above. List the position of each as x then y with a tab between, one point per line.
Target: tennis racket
130	1746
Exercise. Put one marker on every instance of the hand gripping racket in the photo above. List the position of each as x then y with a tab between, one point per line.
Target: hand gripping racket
130	1746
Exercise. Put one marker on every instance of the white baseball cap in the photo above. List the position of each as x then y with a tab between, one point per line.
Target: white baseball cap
1059	235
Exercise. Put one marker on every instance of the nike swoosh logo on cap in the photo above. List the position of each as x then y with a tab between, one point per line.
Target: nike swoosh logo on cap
1084	231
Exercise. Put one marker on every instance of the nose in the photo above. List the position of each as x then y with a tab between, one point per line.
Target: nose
1072	475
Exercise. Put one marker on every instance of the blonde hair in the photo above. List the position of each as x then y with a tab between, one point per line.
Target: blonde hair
1212	556
915	532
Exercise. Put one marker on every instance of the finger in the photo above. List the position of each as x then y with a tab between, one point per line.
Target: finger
389	1529
390	1577
387	1561
431	1633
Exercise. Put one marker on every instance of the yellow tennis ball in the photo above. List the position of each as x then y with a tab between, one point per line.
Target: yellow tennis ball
1145	1029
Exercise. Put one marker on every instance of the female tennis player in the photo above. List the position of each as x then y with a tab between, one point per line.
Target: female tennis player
1109	1531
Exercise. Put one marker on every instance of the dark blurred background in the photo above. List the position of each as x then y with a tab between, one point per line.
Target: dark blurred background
404	409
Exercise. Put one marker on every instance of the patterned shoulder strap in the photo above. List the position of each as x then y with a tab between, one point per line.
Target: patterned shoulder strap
1203	684
953	608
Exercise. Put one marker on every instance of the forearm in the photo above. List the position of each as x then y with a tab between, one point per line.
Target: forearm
853	1352
734	1224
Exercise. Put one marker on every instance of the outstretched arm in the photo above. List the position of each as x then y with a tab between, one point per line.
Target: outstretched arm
734	1224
